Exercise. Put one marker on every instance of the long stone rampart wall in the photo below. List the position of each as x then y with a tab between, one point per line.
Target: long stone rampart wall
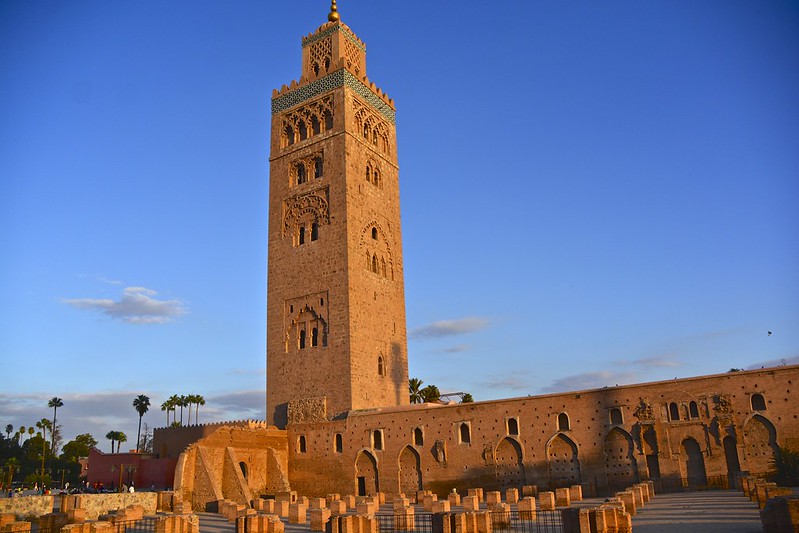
688	430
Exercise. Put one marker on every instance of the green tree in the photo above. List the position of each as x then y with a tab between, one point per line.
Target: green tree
142	404
79	447
174	401
467	398
12	465
9	429
430	394
415	390
55	402
785	468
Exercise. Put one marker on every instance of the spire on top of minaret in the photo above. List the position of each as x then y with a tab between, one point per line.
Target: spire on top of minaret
333	16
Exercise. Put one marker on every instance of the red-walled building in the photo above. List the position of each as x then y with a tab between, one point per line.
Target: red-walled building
145	471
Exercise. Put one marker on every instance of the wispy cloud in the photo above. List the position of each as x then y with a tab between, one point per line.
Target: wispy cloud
448	328
518	381
457	349
775	362
590	380
137	305
657	361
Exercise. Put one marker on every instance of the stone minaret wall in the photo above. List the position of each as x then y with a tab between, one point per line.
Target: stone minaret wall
336	337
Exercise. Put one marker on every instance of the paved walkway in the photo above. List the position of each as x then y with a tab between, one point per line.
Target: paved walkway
717	511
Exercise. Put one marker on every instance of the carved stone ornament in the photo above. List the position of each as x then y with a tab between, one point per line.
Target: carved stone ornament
313	206
644	410
723	404
488	454
307	410
438	451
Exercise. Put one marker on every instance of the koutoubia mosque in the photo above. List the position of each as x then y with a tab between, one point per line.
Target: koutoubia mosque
337	404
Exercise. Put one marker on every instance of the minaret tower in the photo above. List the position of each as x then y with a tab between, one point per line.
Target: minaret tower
336	337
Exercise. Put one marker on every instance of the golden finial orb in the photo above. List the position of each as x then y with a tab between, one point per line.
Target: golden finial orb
333	16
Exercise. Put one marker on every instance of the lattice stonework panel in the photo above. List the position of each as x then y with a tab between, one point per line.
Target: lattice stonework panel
353	56
307	207
321	54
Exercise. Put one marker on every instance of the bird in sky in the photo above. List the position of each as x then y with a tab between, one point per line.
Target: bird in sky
769	334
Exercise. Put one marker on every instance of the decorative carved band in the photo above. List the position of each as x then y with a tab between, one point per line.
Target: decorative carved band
313	206
330	31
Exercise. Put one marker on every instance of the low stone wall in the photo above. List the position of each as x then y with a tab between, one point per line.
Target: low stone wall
26	507
30	507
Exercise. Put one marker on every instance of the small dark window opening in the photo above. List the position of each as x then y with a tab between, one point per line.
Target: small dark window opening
314	231
303	131
301	175
327	64
302	235
368	173
243	467
376	179
318	168
374	137
615	416
377	439
302	444
418	437
374	233
466	436
314	337
316	68
302	339
513	426
758	402
563	422
322	302
339	443
374	264
674	412
316	127
693	410
381	369
328	121
290	135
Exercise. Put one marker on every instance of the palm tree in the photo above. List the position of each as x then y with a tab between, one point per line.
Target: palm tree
121	437
9	429
467	398
174	400
21	433
112	436
182	402
430	394
189	398
198	401
415	388
142	405
55	402
166	406
31	431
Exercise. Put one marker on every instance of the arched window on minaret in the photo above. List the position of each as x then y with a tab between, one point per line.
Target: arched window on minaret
314	231
318	168
316	127
302	177
328	120
374	264
327	64
303	129
289	135
376	179
301	237
315	337
302	339
374	233
368	173
381	367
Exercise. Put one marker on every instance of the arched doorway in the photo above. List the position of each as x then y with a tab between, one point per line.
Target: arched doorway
651	450
621	467
564	466
731	455
694	463
761	444
367	481
509	465
410	471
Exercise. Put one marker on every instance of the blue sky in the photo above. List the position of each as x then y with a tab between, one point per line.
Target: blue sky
592	193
